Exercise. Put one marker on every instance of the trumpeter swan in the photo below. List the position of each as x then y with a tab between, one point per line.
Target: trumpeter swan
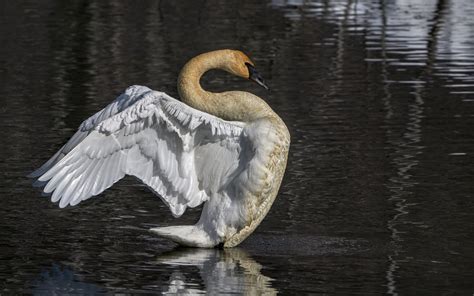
227	150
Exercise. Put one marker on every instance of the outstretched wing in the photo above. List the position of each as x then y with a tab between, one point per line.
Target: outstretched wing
182	154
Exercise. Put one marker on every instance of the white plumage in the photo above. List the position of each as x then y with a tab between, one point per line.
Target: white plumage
184	155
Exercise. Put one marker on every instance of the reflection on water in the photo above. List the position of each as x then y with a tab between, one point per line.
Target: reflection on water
407	151
228	271
225	271
378	97
406	30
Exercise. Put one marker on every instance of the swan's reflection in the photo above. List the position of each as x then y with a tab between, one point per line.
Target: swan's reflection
222	271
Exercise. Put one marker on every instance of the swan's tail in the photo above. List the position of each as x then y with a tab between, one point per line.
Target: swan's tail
189	236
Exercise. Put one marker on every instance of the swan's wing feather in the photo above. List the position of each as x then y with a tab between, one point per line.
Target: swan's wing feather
180	153
126	99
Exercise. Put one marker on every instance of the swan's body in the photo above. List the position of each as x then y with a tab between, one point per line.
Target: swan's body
233	160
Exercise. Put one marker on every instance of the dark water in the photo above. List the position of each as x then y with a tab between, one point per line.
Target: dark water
378	97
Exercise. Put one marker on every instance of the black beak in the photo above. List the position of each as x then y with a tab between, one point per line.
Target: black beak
255	76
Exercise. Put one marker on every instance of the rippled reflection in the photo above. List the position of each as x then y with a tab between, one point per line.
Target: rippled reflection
411	27
228	271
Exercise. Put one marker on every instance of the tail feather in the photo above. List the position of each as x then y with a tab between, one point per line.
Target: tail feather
189	236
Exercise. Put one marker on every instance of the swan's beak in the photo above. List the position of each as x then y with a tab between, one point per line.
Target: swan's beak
255	76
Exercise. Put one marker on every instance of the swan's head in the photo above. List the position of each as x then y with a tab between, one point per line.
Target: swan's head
241	65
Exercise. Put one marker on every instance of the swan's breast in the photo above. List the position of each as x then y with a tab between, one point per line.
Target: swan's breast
260	181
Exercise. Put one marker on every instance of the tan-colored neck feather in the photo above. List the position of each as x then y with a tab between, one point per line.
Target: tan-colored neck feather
232	105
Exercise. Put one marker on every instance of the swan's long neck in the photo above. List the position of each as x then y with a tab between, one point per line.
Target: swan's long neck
233	105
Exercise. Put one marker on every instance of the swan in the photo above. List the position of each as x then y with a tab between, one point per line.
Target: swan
227	150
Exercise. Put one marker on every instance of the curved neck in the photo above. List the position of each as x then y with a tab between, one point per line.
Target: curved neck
189	86
234	105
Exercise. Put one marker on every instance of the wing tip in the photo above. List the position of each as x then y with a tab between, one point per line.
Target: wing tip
36	174
33	175
38	184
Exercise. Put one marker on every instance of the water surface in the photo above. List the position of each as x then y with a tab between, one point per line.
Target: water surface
378	97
